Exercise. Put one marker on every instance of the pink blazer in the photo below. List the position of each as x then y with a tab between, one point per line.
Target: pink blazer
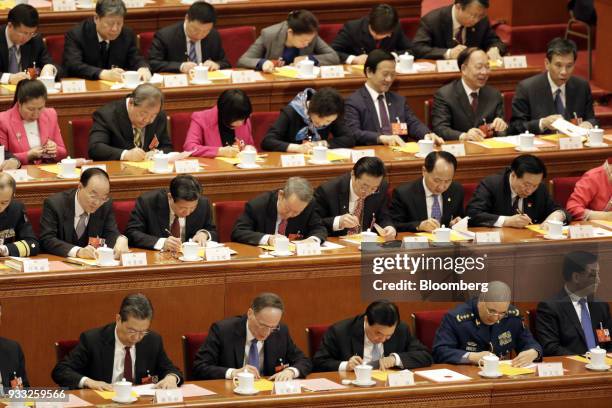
592	192
15	140
203	136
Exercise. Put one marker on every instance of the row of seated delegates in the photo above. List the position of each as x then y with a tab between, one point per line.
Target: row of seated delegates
592	195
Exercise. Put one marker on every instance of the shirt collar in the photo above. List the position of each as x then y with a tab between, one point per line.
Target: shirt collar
456	23
100	39
573	297
186	36
467	89
366	341
118	343
352	195
372	93
78	210
512	192
249	335
427	192
553	86
9	43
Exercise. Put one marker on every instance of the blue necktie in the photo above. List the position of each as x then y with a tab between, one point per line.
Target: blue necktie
587	325
559	103
376	352
436	212
193	57
13	64
253	354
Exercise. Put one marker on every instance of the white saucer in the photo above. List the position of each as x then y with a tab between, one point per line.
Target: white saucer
114	263
252	392
587	144
482	374
198	259
302	76
64	177
318	162
161	171
420	156
274	253
128	401
53	91
602	368
250	166
555	237
366	384
526	149
207	82
412	71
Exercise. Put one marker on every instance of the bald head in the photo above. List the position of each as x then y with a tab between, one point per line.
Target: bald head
7	190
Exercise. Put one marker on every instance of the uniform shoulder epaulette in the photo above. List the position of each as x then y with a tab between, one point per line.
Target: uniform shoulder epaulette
464	317
514	311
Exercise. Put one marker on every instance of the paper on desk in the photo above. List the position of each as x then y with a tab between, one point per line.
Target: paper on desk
505	367
411	147
264	385
442	375
331	245
569	128
515	141
607	224
54	168
188	390
462	226
220	75
74	402
585	360
109	395
424	67
356	239
342	153
8	87
600	232
321	384
494	143
144	390
82	261
537	228
39	3
236	160
455	236
382	375
271	248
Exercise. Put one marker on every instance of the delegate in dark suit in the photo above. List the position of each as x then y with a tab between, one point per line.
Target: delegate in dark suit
94	355
169	49
493	198
112	132
453	115
409	208
82	56
345	339
361	118
332	198
259	218
57	234
12	362
435	35
534	100
355	39
150	219
33	53
224	348
558	328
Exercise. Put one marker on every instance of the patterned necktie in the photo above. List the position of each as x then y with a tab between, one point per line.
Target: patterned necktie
587	325
436	211
515	205
459	35
193	56
357	213
385	124
474	96
138	137
376	354
175	228
559	102
253	359
282	227
13	64
81	225
127	366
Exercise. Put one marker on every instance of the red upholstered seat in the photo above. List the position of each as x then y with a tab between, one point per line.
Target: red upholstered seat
468	191
329	31
429	5
226	213
236	41
34	214
314	334
123	209
179	125
144	42
425	325
260	123
562	189
79	128
191	345
63	347
409	26
55	46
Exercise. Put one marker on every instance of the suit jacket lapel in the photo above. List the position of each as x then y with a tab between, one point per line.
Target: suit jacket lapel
447	26
547	96
163	214
278	44
357	337
181	40
240	341
69	232
570	100
344	196
366	37
464	101
271	214
108	352
19	129
420	200
91	37
570	313
26	56
371	116
125	125
4	57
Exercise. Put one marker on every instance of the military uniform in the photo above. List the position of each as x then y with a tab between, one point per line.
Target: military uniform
16	231
461	331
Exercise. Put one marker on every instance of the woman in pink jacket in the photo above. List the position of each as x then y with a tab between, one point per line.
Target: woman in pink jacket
29	130
223	129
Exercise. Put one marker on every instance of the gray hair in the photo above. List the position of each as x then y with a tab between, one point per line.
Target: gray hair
264	300
137	306
300	187
497	291
110	8
147	94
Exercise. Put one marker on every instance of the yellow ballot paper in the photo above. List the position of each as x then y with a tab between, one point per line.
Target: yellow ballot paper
507	369
411	147
356	239
288	72
219	75
455	236
147	164
109	83
537	228
236	160
9	87
264	385
495	144
382	375
109	395
55	169
271	248
586	360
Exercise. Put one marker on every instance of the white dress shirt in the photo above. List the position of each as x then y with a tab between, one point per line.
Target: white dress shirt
159	245
374	96
502	218
78	210
32	133
198	49
456	25
553	90
353	198
368	348
469	91
429	199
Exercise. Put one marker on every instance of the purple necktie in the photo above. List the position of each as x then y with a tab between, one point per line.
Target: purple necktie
385	124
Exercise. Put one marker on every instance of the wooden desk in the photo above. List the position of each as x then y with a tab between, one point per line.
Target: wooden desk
223	181
41	308
259	13
593	389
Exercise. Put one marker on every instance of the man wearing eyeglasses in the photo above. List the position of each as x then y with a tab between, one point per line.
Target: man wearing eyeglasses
126	349
256	342
74	222
21	48
486	324
515	197
356	201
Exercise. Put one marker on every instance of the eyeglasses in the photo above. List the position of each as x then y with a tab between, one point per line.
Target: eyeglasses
501	315
263	326
27	34
132	332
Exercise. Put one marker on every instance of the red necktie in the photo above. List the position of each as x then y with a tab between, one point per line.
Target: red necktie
127	366
282	227
474	96
175	229
357	213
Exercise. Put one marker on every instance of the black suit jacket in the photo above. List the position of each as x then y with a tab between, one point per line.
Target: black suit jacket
534	100
332	198
435	35
346	339
150	219
493	198
82	56
112	132
57	235
558	328
361	118
259	219
224	348
93	357
452	113
32	52
355	39
169	49
409	206
12	362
